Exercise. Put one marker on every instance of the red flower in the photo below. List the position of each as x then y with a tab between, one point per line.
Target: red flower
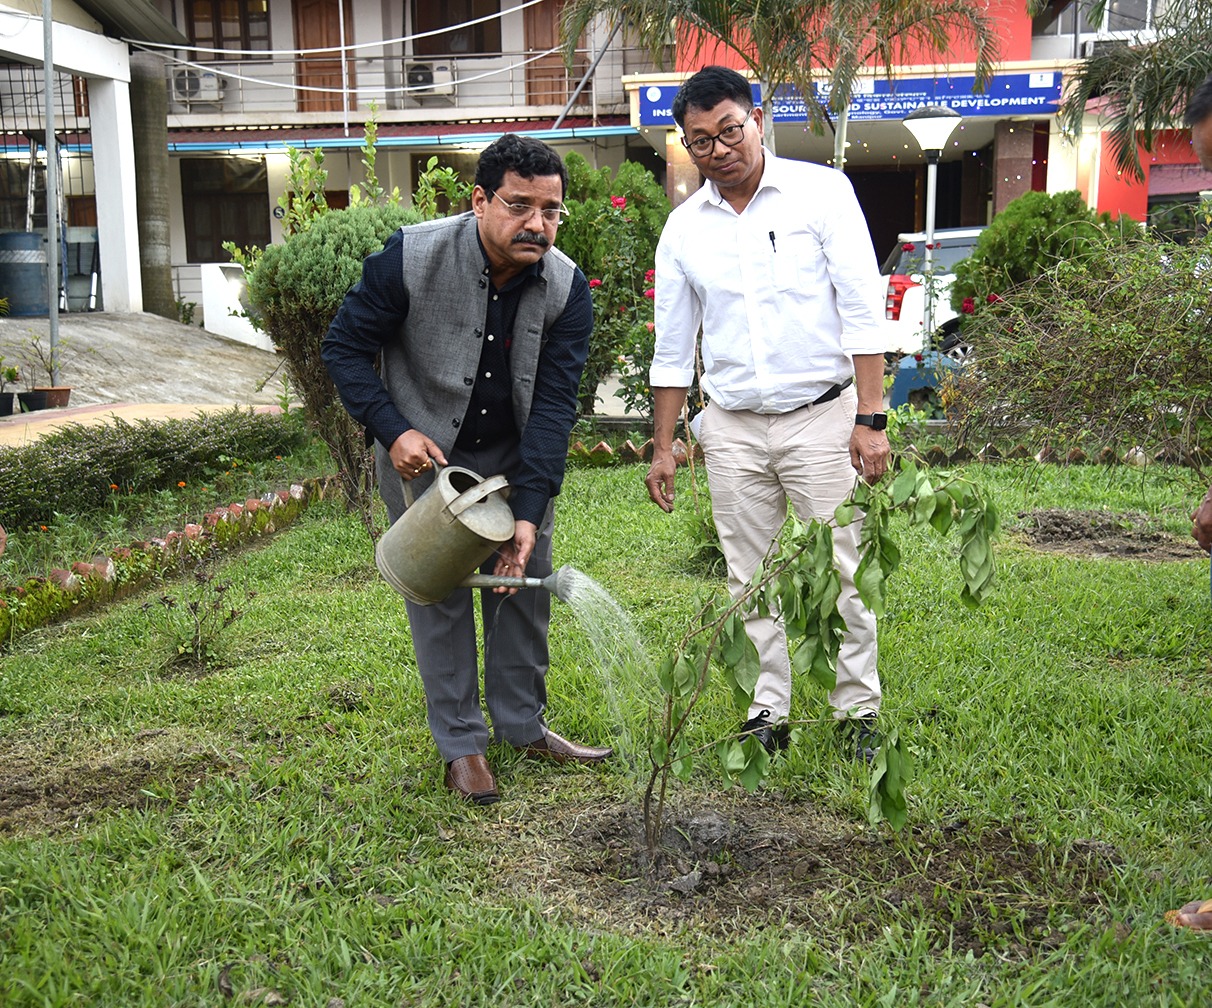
595	282
650	293
993	298
917	357
649	276
618	202
908	247
969	306
650	326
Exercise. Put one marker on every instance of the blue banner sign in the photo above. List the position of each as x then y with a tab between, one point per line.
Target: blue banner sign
1036	93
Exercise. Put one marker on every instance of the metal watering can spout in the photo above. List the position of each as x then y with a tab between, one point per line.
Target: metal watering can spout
560	583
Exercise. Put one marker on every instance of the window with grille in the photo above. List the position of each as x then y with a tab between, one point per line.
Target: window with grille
224	199
228	24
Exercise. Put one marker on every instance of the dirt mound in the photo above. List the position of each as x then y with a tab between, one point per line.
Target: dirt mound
1130	535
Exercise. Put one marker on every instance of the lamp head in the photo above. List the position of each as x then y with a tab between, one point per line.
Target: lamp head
932	125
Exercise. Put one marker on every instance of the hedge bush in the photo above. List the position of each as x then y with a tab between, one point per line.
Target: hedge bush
73	470
1031	235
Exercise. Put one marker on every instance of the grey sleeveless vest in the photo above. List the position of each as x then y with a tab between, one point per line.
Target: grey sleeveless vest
429	371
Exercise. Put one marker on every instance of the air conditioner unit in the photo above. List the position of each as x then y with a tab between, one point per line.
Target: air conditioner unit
192	86
428	78
1101	47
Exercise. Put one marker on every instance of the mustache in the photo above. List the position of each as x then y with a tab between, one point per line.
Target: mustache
531	238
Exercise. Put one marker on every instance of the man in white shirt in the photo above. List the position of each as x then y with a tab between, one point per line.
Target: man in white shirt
773	259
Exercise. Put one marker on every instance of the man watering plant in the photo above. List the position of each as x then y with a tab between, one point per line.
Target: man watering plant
483	327
772	258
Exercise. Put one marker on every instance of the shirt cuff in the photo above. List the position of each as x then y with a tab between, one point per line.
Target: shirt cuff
670	377
528	505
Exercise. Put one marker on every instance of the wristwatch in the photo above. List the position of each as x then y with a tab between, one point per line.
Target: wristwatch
876	421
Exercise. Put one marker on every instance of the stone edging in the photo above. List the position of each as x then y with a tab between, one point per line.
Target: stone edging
39	601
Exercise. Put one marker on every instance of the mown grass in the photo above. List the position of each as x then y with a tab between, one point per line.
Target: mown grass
277	829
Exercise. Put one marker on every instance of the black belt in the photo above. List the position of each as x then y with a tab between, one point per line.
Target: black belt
832	393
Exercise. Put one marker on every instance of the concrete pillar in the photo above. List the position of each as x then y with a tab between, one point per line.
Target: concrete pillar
149	121
1013	150
117	215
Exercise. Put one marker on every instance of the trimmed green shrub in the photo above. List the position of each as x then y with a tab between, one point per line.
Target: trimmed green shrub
1113	349
296	289
1032	234
73	470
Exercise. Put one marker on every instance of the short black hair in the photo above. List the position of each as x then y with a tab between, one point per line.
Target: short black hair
524	155
1200	105
707	88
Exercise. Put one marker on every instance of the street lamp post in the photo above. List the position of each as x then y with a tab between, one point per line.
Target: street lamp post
931	126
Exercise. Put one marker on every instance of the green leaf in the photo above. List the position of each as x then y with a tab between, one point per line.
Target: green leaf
904	484
923	508
942	515
890	773
844	513
757	762
665	674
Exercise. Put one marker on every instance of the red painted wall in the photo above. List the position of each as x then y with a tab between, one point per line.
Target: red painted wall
1119	195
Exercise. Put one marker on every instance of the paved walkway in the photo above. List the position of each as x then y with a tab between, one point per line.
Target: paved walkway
137	366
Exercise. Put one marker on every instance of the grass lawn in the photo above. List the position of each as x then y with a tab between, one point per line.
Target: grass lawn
276	831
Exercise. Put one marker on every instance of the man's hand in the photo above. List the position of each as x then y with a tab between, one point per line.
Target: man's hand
660	480
514	555
1202	527
413	453
869	452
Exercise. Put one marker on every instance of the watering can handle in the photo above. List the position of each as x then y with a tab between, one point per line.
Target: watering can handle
476	494
467	498
408	496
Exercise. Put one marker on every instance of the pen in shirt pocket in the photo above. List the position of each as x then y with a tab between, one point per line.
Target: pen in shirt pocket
773	248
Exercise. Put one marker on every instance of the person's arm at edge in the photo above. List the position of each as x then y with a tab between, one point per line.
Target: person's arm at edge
1201	528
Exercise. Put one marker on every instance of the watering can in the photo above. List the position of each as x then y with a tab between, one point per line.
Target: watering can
441	539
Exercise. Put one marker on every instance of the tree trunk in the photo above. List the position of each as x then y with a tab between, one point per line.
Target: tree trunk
149	121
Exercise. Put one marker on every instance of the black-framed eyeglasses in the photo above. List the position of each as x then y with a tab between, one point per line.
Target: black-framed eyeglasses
522	211
729	136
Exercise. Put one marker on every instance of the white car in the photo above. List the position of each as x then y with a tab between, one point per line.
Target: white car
905	299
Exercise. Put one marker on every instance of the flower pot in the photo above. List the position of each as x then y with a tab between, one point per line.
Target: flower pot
6	404
56	395
32	400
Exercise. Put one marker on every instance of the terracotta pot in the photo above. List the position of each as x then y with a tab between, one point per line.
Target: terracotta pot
6	404
56	395
32	400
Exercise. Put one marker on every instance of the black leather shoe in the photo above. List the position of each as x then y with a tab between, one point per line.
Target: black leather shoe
774	737
552	747
859	737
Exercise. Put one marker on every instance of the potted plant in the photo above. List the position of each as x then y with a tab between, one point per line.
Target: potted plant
41	360
8	374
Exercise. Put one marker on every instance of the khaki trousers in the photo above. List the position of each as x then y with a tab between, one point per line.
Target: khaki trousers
756	464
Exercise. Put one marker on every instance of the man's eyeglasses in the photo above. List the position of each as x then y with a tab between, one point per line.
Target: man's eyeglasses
522	211
729	136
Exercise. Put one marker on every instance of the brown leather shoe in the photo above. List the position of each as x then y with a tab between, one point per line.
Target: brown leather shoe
471	777
552	747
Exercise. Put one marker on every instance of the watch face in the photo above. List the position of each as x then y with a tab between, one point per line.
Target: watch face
879	421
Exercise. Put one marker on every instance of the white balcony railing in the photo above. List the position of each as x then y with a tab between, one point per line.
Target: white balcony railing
403	87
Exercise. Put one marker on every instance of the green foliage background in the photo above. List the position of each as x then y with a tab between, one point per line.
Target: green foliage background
617	246
1033	233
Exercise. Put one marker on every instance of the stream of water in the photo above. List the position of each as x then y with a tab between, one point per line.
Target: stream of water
617	652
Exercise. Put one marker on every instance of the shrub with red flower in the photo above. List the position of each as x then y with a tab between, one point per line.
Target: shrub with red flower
611	233
969	306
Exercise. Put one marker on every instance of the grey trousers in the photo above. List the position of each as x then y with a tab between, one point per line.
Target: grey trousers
515	637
